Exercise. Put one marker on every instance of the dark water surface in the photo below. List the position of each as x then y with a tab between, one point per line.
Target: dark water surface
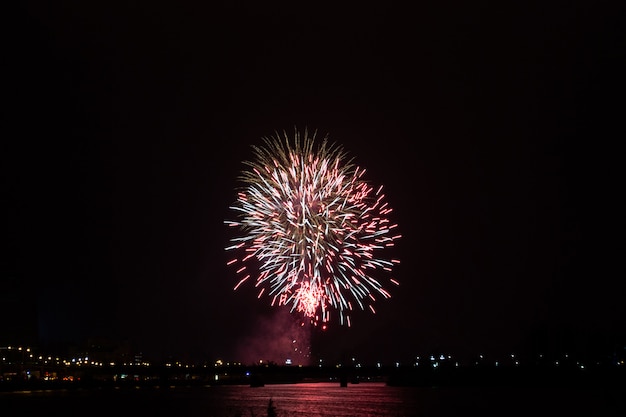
318	400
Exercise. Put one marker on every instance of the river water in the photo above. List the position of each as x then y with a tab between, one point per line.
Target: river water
317	400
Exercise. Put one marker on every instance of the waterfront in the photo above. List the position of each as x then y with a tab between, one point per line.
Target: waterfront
321	399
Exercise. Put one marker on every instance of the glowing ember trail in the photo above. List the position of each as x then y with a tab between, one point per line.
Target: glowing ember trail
312	227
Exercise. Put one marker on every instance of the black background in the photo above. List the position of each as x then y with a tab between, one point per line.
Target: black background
494	128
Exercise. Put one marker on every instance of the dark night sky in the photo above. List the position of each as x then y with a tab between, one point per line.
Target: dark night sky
493	128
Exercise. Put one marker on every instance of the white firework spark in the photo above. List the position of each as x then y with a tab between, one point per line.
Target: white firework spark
313	227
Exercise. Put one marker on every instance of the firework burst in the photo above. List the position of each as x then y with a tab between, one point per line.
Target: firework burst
311	229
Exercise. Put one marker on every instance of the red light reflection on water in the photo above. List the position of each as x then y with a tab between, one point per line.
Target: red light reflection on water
324	399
